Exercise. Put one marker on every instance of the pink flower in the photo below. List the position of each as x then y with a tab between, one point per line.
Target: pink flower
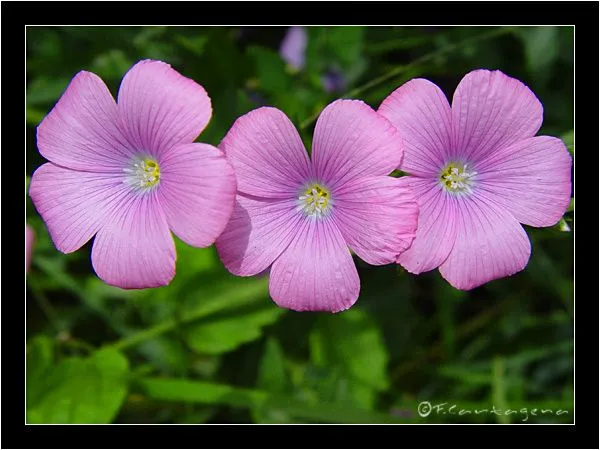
130	172
478	171
293	47
29	238
299	216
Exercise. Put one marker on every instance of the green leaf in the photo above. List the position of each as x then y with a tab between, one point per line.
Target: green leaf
111	65
240	292
346	43
351	344
270	69
271	372
569	139
541	46
272	378
40	356
165	353
563	225
188	391
225	333
194	44
499	387
34	116
45	90
79	390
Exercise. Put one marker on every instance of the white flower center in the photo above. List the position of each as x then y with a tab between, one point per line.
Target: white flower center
315	201
143	173
457	178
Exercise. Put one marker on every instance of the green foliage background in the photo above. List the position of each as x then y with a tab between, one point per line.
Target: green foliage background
213	348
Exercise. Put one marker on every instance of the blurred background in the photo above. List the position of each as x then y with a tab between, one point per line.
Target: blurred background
213	348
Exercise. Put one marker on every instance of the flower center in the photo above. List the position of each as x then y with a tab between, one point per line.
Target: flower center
142	173
314	201
456	178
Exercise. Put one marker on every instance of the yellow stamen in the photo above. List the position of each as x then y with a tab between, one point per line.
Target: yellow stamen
143	173
315	200
456	178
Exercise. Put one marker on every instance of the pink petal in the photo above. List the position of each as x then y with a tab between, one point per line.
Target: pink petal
316	272
293	47
29	238
353	141
491	111
268	156
490	244
81	132
259	231
436	231
377	217
160	108
74	204
531	179
422	115
196	192
134	249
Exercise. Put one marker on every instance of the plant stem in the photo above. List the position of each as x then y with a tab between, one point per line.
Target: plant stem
72	285
44	304
463	331
252	290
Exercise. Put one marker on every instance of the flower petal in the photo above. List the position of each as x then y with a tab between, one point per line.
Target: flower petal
268	156
490	111
160	108
81	132
531	179
259	231
73	204
436	230
134	249
351	141
421	113
316	272
293	47
377	217
490	244
196	192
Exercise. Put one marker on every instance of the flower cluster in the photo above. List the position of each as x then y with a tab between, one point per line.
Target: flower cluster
128	173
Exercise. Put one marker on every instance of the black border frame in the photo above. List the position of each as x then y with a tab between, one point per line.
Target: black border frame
581	14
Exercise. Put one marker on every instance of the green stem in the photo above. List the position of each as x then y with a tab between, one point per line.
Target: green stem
465	330
499	386
402	69
44	304
62	278
71	284
77	344
253	289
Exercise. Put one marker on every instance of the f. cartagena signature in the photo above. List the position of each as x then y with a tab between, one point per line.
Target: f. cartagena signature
426	408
